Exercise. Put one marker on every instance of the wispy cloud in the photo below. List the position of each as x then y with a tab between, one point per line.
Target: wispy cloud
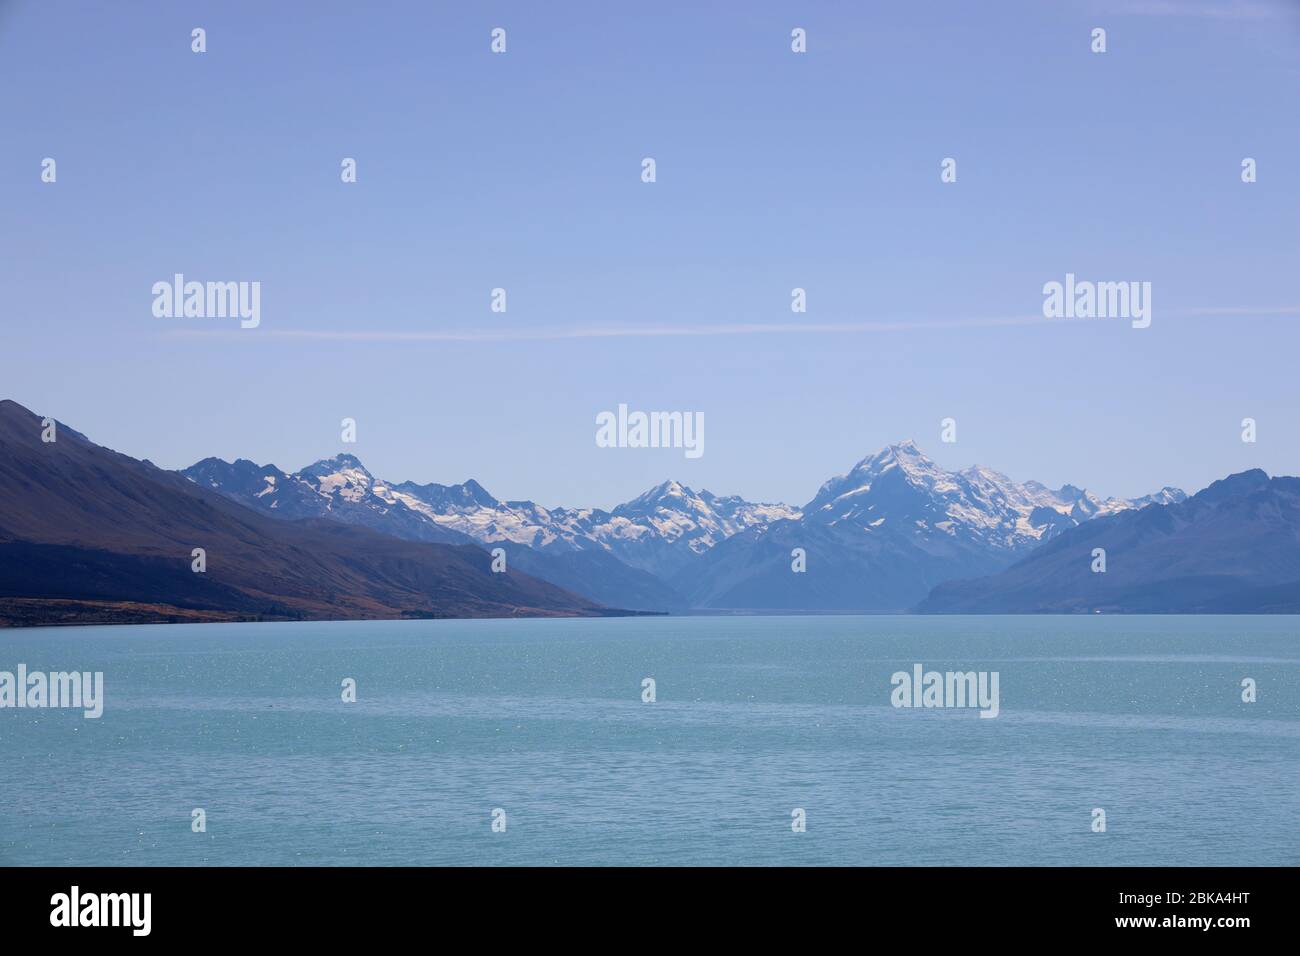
1244	310
612	331
1210	9
689	331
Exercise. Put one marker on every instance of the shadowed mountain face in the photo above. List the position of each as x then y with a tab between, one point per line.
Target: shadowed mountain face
1232	548
91	532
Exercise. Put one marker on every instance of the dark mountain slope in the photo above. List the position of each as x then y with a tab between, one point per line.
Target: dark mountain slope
82	522
1232	548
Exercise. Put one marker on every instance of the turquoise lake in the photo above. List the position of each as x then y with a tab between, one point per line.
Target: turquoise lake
755	716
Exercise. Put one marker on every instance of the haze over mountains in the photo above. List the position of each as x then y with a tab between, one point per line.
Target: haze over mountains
87	534
881	536
877	538
654	532
620	558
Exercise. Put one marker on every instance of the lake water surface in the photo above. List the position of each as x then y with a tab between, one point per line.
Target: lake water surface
754	717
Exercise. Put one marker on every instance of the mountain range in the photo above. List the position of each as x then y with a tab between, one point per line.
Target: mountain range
621	558
878	538
87	534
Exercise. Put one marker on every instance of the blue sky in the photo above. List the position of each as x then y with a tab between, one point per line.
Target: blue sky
775	170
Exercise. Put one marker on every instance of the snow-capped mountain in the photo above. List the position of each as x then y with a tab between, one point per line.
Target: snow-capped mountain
619	558
663	530
339	488
879	537
900	484
882	535
657	532
1233	547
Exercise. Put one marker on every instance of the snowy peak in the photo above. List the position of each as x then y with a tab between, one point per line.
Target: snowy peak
466	496
896	500
901	487
906	456
700	521
338	465
338	487
341	477
669	494
656	531
339	462
902	461
1165	496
